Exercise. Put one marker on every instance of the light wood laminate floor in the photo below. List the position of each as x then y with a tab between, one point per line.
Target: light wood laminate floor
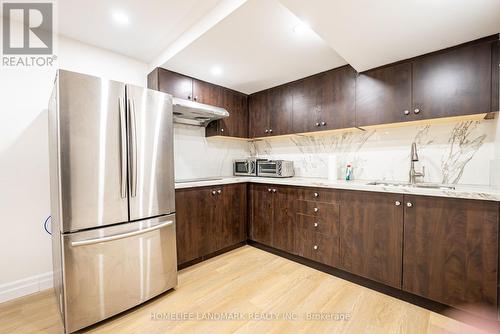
248	283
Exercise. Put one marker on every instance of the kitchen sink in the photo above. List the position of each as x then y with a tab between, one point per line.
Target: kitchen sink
415	185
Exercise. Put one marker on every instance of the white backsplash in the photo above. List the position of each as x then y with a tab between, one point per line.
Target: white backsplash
451	153
199	157
460	152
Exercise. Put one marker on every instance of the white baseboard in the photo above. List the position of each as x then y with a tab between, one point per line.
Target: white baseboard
26	286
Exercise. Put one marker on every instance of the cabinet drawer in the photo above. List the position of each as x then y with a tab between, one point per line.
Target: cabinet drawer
318	194
322	210
309	223
318	247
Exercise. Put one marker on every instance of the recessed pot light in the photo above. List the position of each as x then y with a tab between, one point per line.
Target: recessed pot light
120	17
301	28
216	70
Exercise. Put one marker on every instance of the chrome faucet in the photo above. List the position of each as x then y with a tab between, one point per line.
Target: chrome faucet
414	158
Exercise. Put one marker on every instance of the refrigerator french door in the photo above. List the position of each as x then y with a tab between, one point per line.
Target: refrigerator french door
112	196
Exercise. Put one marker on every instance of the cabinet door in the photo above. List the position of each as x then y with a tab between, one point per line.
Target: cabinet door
307	103
258	114
371	235
231	215
207	93
338	111
284	219
195	215
261	213
318	247
280	108
451	250
236	125
384	95
175	84
453	83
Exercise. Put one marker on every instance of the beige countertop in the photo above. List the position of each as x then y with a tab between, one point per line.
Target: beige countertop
460	191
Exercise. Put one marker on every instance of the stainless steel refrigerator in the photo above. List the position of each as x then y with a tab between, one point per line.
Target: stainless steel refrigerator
112	196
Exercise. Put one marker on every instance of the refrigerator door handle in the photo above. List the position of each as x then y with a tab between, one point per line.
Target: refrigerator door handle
123	150
133	136
120	236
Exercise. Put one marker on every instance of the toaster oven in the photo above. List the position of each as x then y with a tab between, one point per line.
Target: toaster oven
275	168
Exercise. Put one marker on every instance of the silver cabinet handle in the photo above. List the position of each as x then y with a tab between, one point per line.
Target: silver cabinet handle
214	192
189	97
133	139
316	209
316	195
409	204
267	131
270	130
274	190
123	150
219	191
269	189
316	224
323	123
416	111
398	203
317	124
406	112
196	98
221	130
315	247
120	236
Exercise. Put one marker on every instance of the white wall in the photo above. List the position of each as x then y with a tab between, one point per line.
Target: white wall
25	248
452	152
199	157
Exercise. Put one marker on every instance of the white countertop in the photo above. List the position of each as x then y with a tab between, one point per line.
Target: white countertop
460	191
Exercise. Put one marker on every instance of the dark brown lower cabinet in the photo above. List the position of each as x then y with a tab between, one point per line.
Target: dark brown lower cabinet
371	236
272	217
209	219
284	226
451	250
231	222
317	231
261	214
443	249
195	208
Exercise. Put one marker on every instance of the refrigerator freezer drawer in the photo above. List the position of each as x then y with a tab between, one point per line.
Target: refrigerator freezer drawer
109	270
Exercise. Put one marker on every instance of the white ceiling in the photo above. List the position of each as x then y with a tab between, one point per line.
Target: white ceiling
153	26
370	33
256	48
254	43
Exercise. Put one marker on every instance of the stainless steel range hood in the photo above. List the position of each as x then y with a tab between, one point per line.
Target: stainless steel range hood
194	113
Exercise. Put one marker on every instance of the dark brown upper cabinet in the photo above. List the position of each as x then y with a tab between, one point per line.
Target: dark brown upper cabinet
236	125
307	103
495	76
458	81
325	101
207	93
270	112
453	83
172	83
181	86
338	110
258	115
451	251
280	106
383	95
